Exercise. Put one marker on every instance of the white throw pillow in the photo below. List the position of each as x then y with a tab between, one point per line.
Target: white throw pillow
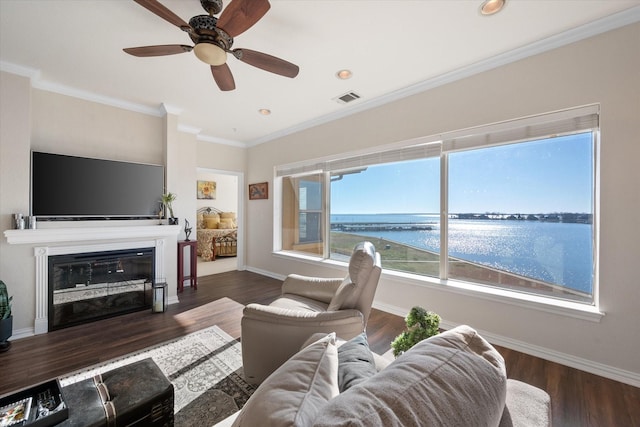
295	392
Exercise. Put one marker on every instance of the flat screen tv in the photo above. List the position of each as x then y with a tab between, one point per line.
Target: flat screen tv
69	187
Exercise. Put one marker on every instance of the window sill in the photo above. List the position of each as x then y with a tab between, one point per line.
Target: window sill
534	302
520	299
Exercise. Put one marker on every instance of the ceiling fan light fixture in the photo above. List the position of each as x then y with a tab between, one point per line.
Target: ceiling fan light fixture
491	7
210	53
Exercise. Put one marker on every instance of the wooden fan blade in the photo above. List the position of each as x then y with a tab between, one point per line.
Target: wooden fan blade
267	62
223	77
240	15
157	8
160	50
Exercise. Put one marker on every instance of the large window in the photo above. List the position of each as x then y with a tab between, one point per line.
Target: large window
507	206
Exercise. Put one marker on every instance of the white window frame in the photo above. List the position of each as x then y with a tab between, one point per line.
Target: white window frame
568	121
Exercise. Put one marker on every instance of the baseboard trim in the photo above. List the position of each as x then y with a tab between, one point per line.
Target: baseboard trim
22	333
600	369
265	273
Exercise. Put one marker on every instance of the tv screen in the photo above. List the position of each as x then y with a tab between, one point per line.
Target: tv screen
78	187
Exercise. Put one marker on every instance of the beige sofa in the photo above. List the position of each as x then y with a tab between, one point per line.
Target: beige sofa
453	379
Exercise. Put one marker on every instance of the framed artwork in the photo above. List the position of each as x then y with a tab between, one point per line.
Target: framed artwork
259	191
206	190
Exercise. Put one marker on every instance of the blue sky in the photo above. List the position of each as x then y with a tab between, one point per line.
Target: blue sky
545	176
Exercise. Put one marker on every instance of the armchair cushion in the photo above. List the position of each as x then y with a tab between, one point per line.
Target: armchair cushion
298	303
295	392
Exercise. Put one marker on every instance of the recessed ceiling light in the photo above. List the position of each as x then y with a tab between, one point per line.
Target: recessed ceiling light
491	7
264	111
344	74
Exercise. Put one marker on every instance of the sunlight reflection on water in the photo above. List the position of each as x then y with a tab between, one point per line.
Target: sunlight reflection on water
553	252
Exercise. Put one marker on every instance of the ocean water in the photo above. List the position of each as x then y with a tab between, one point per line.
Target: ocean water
559	253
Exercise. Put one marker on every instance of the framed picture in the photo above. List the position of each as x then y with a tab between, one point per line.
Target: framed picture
259	191
206	190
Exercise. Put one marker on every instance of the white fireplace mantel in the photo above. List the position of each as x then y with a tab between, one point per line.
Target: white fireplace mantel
80	239
79	234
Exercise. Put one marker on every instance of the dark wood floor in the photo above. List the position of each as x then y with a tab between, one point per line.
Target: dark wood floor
578	398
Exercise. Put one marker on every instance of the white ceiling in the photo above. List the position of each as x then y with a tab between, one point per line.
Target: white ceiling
394	48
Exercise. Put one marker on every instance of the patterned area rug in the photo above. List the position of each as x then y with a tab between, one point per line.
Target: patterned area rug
205	368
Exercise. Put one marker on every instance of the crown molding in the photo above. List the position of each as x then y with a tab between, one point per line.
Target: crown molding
612	22
216	140
170	109
189	129
19	70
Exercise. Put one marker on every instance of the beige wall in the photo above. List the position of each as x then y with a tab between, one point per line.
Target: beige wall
221	157
15	157
66	125
603	69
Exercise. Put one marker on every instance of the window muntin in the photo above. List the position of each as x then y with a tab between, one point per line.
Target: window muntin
494	148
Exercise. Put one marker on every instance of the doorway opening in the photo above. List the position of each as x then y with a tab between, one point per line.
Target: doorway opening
220	223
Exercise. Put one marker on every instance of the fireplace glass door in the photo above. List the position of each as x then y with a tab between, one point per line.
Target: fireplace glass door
91	286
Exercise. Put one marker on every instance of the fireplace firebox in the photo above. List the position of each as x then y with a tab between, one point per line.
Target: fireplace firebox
85	287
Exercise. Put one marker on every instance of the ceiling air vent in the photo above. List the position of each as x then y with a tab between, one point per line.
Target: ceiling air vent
347	97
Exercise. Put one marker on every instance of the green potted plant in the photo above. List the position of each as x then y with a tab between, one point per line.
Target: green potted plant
421	324
6	319
167	200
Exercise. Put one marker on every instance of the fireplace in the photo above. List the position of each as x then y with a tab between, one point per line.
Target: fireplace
52	240
85	287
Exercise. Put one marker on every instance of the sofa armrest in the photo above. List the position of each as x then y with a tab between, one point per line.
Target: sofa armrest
316	288
526	406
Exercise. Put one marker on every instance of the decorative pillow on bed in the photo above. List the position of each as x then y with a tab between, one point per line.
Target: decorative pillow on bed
226	223
211	220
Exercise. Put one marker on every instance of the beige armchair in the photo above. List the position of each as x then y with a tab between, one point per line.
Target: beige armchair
271	334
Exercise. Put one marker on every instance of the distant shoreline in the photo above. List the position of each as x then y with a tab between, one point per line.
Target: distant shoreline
562	217
566	217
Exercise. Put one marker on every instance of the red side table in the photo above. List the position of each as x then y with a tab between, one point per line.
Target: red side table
193	277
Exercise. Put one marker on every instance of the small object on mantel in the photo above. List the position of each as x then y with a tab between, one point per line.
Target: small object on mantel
187	229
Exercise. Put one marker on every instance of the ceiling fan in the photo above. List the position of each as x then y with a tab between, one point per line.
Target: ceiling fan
213	38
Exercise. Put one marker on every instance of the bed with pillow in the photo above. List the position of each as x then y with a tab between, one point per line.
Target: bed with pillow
217	233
